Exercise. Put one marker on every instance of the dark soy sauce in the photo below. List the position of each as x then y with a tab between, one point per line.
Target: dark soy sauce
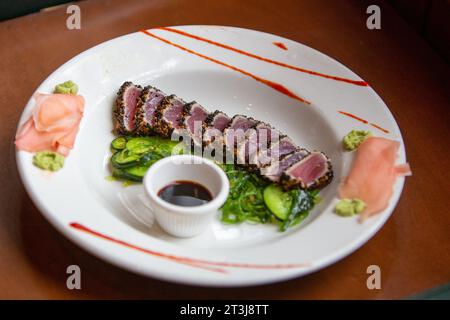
185	193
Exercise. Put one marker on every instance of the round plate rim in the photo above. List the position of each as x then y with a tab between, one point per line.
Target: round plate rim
178	278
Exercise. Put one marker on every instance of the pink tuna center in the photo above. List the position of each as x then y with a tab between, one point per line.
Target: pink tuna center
310	169
243	124
151	105
195	121
173	113
130	110
221	123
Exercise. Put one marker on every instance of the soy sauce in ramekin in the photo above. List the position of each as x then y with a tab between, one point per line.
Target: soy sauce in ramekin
185	193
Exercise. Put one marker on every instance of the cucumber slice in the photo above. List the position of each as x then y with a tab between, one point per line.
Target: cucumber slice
122	174
162	146
142	145
135	173
278	201
124	159
119	143
302	203
149	158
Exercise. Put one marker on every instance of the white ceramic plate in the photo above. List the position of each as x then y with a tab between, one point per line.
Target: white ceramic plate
111	221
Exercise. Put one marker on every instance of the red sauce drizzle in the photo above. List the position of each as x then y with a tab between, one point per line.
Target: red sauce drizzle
379	128
353	116
363	121
193	262
280	45
276	86
278	63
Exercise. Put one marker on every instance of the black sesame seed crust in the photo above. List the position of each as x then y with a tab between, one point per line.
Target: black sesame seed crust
208	144
210	118
119	110
142	126
187	108
186	113
162	127
241	115
208	123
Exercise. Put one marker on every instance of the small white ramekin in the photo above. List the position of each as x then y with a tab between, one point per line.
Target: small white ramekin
178	220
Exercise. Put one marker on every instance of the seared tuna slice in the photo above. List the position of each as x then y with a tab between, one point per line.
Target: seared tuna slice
242	122
267	134
213	128
168	115
218	120
313	171
258	139
274	171
193	121
148	102
278	150
125	108
215	124
247	147
235	133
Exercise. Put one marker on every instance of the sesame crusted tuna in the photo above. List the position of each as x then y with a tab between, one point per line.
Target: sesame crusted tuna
125	108
194	116
148	102
312	172
168	115
274	171
241	140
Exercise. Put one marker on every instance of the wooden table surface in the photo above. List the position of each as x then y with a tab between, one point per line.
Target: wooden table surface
412	249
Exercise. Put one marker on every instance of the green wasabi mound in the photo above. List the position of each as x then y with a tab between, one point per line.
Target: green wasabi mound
354	138
68	87
48	160
349	207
